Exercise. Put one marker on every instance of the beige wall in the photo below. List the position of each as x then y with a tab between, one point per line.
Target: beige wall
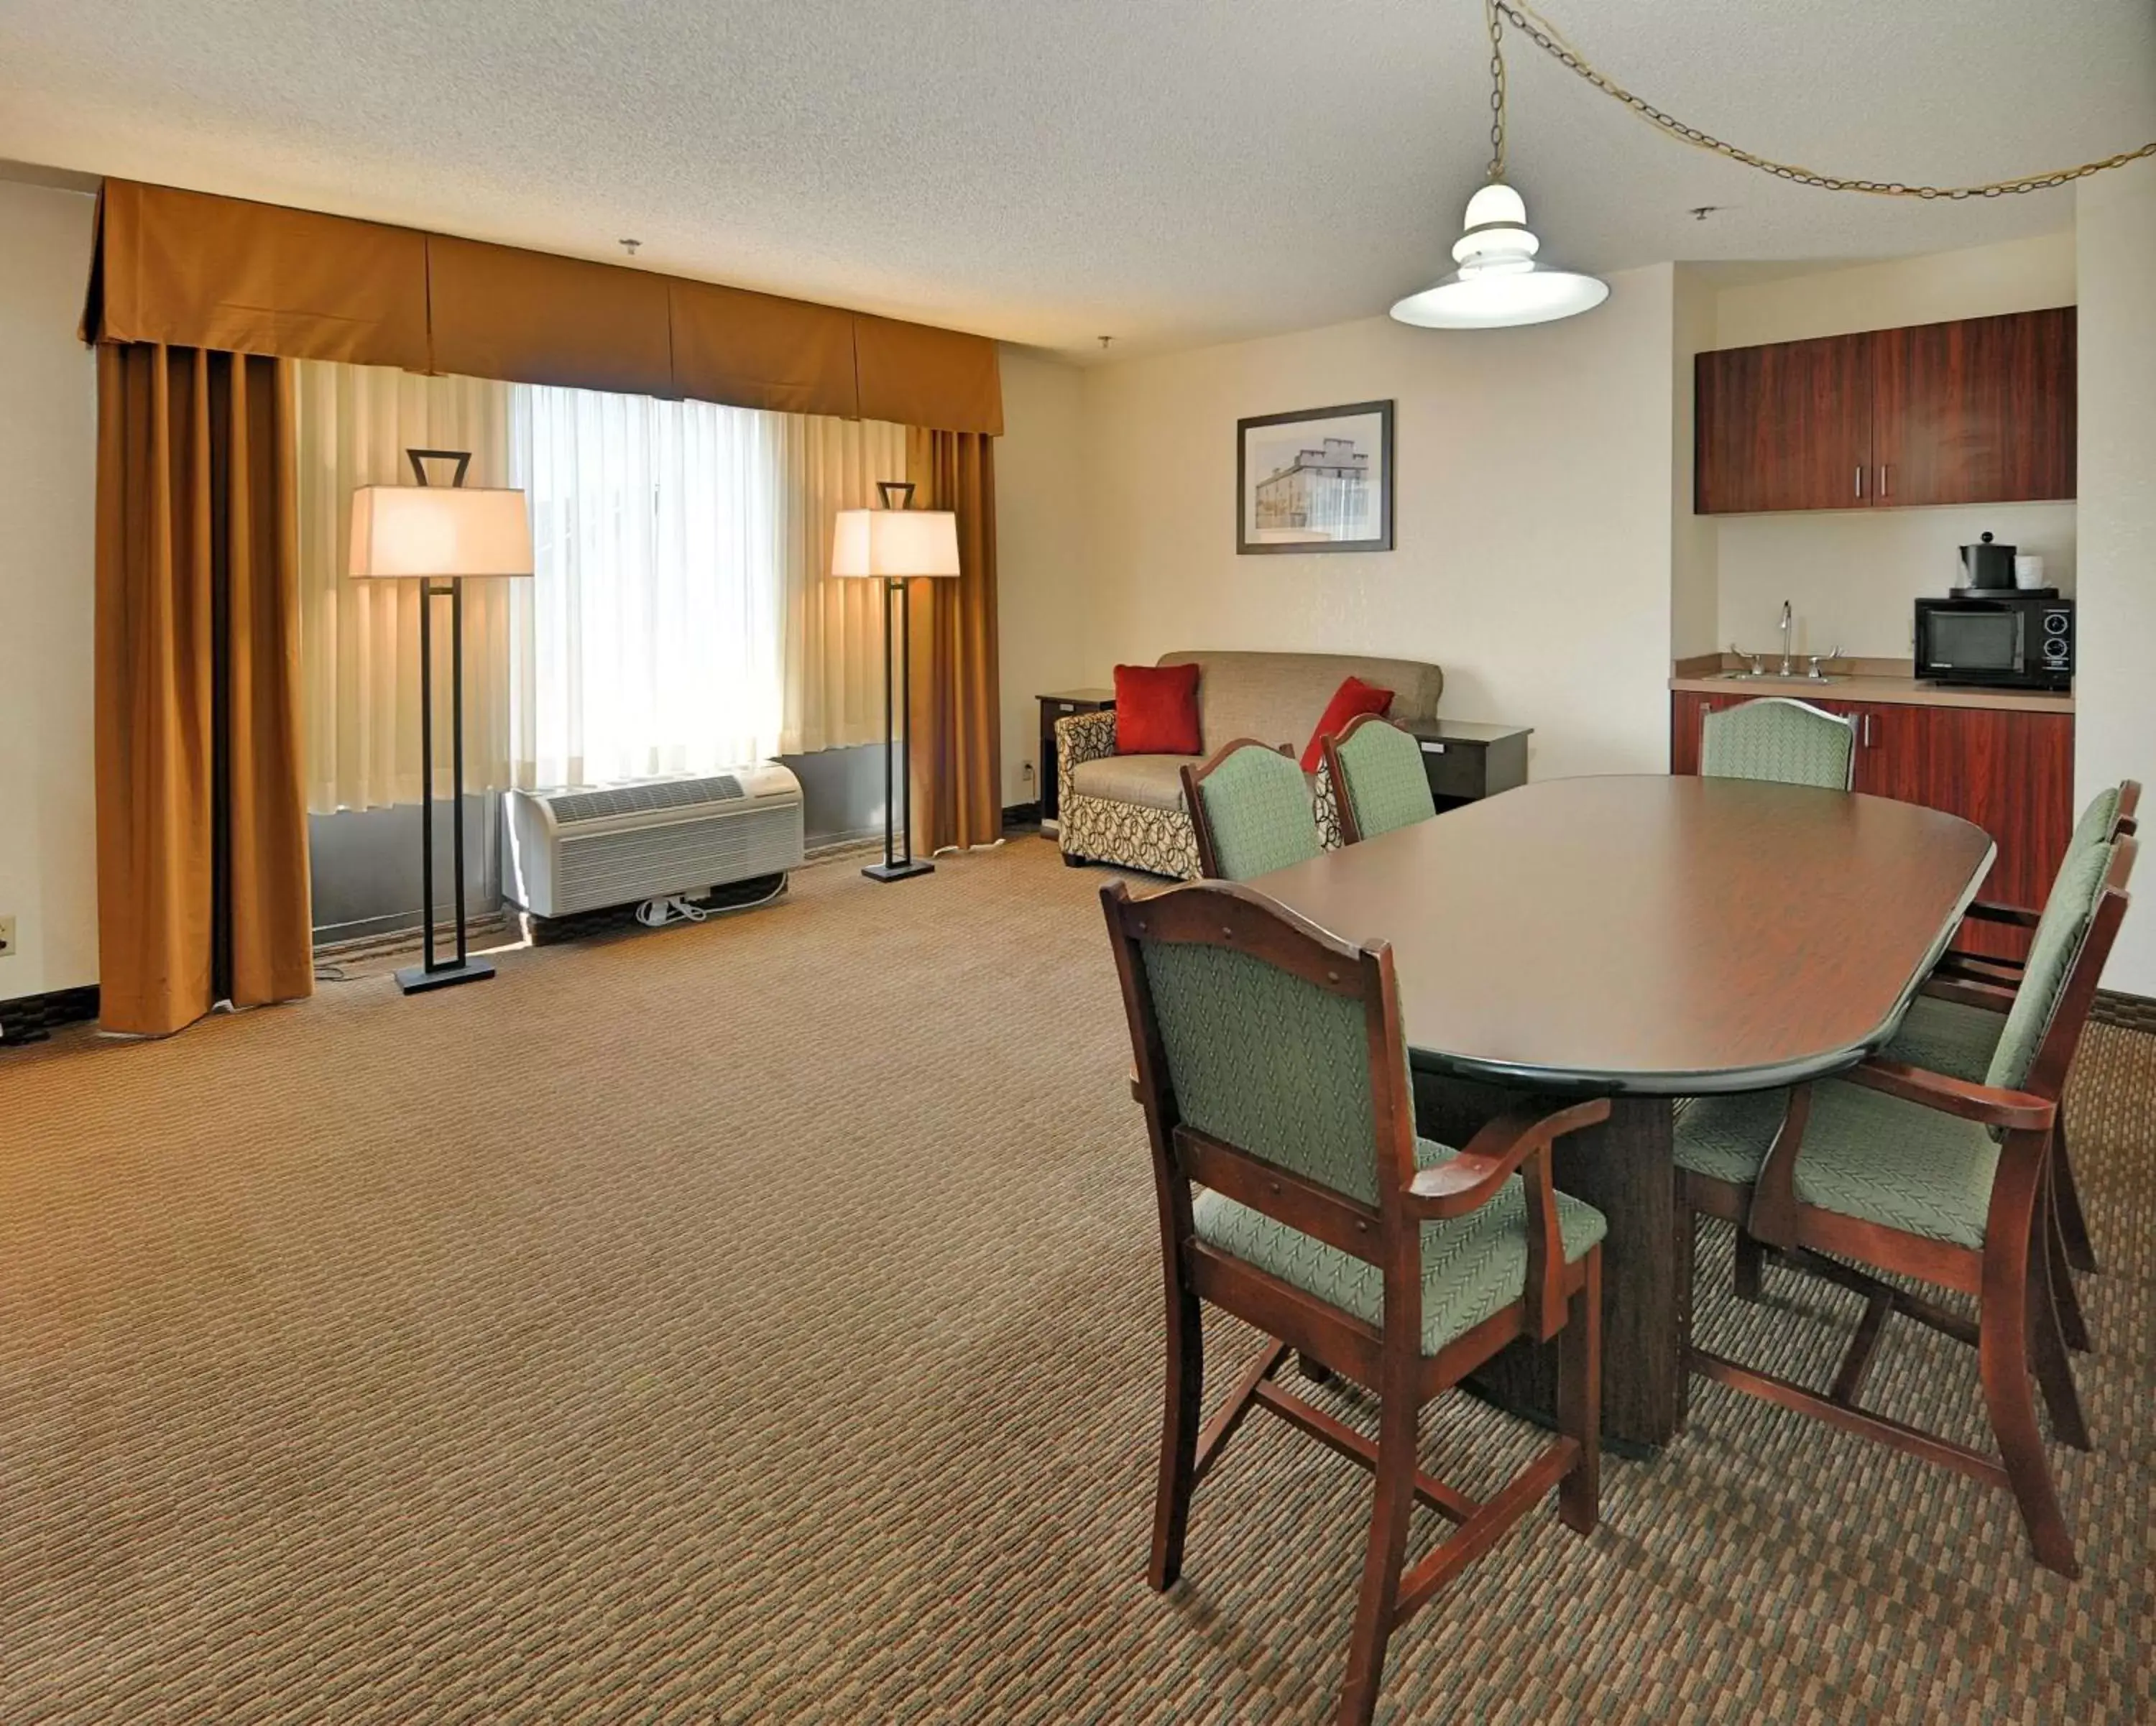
48	433
1851	575
2115	691
1040	552
1695	542
1532	513
1974	282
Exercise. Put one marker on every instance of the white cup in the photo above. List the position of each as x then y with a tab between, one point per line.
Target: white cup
2028	571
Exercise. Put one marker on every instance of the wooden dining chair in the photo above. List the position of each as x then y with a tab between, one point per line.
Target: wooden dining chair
1923	1175
1955	1024
1776	738
1250	809
1375	769
1294	1194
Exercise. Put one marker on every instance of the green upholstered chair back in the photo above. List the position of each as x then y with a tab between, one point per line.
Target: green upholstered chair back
1257	811
1790	742
1273	1065
1385	785
2094	827
2052	953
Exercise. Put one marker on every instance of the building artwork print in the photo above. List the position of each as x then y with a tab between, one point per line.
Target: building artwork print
1318	480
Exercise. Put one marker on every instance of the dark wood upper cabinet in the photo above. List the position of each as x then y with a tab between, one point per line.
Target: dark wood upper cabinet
1978	412
1981	411
1783	427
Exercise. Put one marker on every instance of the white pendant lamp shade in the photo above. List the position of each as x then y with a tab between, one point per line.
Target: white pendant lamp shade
1498	282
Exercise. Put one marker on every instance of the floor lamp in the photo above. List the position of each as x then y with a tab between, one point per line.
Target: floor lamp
893	544
439	536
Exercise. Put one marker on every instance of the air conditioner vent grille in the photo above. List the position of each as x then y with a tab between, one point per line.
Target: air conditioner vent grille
574	807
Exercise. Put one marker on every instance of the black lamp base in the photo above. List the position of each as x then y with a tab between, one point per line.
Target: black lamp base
418	979
898	871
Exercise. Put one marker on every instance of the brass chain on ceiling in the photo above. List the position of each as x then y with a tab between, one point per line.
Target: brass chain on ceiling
1546	36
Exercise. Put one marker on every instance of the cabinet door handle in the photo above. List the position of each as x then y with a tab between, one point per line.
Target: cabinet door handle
1867	730
1882	479
1860	479
1066	707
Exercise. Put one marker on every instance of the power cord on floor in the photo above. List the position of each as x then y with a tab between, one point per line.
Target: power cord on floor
658	913
677	908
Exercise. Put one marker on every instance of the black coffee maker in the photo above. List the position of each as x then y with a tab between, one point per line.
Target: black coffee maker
1985	569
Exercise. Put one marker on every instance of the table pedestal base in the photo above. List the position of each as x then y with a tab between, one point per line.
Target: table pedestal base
1625	1170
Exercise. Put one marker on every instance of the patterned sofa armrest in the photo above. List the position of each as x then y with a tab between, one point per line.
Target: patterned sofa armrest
1083	737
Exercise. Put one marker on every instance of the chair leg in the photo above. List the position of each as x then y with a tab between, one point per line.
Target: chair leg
2002	1351
1178	1437
1579	1400
1751	1255
2066	1298
2048	1339
1398	1428
2073	1220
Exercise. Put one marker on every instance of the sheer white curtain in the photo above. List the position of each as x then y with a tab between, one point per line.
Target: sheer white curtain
360	687
682	617
833	637
684	614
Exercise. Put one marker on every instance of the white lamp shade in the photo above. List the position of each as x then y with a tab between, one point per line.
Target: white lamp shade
422	532
893	543
1500	282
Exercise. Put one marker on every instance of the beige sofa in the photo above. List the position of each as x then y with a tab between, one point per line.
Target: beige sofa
1129	810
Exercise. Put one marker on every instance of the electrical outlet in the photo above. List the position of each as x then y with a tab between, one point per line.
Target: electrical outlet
1025	771
6	937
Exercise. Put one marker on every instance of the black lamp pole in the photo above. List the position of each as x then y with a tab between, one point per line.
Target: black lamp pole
441	973
899	862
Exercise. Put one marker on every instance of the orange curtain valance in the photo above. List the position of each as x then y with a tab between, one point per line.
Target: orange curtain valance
193	270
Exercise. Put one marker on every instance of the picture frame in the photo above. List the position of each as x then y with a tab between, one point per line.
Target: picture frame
1317	479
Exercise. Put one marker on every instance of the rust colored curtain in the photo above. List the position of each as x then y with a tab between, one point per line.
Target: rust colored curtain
225	274
202	833
956	796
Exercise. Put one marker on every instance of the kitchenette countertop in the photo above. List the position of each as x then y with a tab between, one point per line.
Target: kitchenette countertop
1869	680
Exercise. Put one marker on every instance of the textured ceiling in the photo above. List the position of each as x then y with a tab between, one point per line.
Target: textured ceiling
1048	170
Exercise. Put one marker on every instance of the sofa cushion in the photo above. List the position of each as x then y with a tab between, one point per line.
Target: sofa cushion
1279	698
1156	710
1154	781
1353	699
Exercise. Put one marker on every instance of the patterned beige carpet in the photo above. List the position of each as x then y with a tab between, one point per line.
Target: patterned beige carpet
758	1322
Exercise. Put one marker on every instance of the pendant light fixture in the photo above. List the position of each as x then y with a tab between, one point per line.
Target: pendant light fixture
1498	282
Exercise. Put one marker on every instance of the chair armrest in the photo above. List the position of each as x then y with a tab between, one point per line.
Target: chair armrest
1989	911
1516	1141
1083	737
1992	997
1469	1181
1984	967
1984	1104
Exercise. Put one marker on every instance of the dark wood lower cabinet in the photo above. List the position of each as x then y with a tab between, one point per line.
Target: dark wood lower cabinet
2011	773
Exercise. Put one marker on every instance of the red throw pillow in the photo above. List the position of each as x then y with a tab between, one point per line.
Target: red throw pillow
1353	696
1156	710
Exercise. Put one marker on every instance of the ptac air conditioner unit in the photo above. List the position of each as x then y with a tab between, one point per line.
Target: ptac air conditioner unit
600	846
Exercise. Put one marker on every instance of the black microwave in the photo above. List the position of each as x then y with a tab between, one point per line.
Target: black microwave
2013	641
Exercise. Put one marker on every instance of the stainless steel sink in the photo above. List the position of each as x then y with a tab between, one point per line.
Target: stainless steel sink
1776	677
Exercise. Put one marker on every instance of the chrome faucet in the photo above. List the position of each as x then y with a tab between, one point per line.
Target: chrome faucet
1786	624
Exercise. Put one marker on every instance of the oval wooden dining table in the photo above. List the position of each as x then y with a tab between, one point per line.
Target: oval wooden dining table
1645	937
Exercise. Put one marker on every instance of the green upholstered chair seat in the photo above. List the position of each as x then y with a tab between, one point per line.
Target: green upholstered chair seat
1472	1266
1864	1155
1778	740
1387	786
1947	1037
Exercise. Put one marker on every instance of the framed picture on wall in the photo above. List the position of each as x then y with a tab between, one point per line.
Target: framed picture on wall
1319	480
